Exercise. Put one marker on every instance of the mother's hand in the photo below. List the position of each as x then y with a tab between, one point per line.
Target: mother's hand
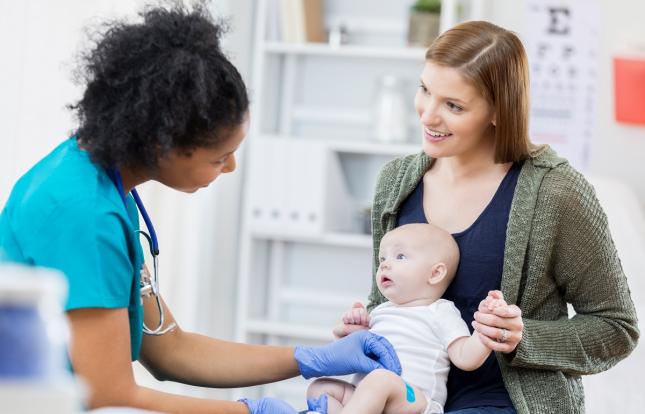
500	329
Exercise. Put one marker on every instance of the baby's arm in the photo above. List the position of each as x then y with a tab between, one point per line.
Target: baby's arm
468	352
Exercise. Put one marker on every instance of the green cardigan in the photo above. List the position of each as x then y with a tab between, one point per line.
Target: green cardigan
558	251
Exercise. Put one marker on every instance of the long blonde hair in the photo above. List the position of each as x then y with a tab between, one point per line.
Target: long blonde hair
495	61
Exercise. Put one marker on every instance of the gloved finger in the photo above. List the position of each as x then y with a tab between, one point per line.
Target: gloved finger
367	364
268	405
318	405
383	353
358	305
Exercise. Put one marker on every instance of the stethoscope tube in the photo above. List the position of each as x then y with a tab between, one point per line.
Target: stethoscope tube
153	242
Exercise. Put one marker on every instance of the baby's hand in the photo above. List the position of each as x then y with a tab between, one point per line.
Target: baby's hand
357	315
356	319
494	300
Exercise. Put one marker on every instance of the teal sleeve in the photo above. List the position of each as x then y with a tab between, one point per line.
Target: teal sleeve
90	246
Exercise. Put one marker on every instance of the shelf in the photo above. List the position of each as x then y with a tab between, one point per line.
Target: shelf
323	49
288	330
356	240
311	170
373	148
358	147
340	115
317	298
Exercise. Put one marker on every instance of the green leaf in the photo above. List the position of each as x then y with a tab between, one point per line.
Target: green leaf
427	6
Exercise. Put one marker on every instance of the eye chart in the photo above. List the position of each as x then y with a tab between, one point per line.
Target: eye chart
561	40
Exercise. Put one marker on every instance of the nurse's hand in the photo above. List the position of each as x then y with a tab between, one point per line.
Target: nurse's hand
318	405
268	406
360	352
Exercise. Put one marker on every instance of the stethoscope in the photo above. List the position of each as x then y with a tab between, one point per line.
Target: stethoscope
149	286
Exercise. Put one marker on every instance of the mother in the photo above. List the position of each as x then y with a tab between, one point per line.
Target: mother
526	222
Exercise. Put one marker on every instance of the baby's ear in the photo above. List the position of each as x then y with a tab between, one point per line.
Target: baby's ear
437	273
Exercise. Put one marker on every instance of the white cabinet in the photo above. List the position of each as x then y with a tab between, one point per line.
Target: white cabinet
310	170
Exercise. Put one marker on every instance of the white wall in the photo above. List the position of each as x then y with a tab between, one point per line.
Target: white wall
616	170
617	150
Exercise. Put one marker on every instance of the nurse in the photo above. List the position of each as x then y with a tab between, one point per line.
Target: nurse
161	103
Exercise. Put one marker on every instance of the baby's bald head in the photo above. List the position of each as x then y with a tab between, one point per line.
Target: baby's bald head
437	243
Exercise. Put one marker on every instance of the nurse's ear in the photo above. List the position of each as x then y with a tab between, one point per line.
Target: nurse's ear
494	120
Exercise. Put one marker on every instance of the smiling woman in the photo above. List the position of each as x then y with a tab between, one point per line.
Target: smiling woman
526	222
452	112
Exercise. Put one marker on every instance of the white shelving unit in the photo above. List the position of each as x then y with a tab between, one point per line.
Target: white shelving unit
319	49
305	254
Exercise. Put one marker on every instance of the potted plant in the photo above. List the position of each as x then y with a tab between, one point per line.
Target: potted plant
424	22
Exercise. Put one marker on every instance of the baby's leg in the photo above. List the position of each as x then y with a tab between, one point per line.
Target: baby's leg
338	393
382	391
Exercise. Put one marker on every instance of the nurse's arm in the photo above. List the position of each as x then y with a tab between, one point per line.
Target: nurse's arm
199	360
100	354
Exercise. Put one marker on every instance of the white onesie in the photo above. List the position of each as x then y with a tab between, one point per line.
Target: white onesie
420	336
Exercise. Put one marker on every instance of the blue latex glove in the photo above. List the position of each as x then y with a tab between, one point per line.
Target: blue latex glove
268	405
318	405
359	352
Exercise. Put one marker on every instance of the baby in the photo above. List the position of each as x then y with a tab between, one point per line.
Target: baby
417	263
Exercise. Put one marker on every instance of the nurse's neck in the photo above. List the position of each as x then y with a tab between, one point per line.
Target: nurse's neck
131	178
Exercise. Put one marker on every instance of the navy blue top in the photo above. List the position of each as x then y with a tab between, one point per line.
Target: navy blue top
481	248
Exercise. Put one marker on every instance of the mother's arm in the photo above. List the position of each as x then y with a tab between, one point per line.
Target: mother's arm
589	276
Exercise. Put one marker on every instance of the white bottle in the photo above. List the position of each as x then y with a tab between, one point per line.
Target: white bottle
390	111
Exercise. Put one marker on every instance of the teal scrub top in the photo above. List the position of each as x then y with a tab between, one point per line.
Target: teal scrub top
65	213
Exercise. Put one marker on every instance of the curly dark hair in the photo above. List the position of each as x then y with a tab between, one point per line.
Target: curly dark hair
158	85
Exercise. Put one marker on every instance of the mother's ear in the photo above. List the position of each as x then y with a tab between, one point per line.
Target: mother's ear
437	273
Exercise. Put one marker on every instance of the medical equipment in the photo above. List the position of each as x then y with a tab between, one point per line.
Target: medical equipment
148	285
32	326
34	370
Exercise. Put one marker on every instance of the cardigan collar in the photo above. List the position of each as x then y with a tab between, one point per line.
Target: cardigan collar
542	156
